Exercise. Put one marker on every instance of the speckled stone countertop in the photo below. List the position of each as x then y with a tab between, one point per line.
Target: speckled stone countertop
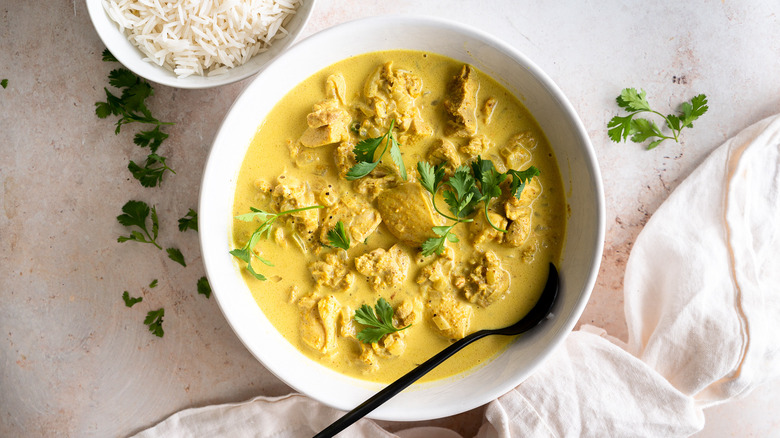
74	361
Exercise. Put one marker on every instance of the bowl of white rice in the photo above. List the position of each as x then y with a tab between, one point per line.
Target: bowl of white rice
198	43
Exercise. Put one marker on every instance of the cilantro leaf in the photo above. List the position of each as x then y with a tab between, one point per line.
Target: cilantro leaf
204	288
378	321
365	151
130	301
621	128
245	254
152	173
153	284
176	255
430	176
135	214
338	236
189	221
153	138
520	178
4	83
108	56
154	320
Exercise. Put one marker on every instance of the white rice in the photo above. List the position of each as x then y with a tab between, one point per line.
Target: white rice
202	37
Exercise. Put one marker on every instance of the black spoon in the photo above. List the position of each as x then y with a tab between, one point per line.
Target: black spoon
539	313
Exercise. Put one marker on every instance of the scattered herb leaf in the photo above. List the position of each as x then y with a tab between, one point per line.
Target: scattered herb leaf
151	174
153	284
176	255
189	221
4	83
377	324
154	320
204	288
635	102
130	301
153	138
337	237
135	214
108	56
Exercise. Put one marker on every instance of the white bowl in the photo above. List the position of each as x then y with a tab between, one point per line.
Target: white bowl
576	159
132	58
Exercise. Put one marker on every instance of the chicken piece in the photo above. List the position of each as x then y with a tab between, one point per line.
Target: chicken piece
290	193
392	93
368	358
520	228
327	196
384	268
329	310
408	213
531	191
461	103
443	151
328	124
487	280
318	323
409	312
359	218
482	231
478	145
449	315
332	272
345	157
487	110
437	274
390	345
336	88
347	327
516	152
374	183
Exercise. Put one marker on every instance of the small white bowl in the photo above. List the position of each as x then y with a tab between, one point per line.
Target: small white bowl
576	159
132	58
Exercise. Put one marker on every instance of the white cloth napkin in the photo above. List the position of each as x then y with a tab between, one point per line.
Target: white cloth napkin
702	305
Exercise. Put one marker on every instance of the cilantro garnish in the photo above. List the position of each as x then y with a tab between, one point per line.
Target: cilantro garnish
153	284
176	255
466	189
204	288
366	149
189	221
154	320
4	83
130	301
151	174
635	102
246	254
130	107
377	324
135	214
337	237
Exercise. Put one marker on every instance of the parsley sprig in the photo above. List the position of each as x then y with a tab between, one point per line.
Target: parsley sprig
130	107
464	191
189	221
135	214
377	324
154	320
130	301
246	254
635	102
338	238
366	149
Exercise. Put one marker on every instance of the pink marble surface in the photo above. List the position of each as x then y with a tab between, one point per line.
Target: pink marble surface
74	361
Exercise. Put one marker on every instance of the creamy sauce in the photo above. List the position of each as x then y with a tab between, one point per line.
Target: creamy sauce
269	156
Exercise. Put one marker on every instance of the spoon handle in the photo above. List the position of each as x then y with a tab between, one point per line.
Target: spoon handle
399	385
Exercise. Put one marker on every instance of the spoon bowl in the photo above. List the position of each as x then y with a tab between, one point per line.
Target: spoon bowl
537	314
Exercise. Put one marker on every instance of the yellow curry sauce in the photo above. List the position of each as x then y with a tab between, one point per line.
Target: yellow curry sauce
444	112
